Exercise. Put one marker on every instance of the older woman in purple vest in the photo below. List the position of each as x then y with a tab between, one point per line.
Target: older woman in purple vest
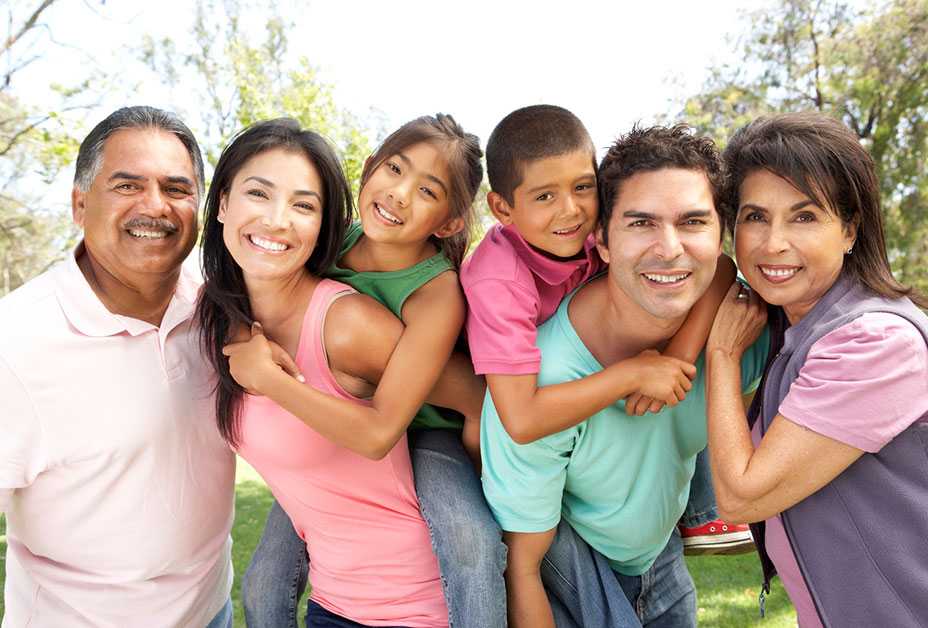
830	461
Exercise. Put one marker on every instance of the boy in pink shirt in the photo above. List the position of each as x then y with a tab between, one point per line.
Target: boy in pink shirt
542	169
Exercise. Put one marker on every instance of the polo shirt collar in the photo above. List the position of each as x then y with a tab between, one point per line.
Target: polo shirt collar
552	272
89	316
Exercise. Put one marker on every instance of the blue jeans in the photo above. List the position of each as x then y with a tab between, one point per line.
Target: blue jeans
465	536
223	618
581	585
701	508
664	596
319	617
584	591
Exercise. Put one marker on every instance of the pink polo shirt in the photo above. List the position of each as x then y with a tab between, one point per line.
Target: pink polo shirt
371	557
511	289
862	384
116	484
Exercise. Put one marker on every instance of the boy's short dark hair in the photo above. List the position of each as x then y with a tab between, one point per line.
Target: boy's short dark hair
528	134
654	148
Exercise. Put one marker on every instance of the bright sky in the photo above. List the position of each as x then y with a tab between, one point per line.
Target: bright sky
611	63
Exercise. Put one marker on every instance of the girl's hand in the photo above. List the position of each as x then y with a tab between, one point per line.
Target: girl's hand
661	378
738	323
252	360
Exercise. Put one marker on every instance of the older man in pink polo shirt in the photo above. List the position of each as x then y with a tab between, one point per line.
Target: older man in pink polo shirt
115	482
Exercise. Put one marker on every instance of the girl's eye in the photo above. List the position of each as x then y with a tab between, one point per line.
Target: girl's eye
258	193
393	167
428	192
547	196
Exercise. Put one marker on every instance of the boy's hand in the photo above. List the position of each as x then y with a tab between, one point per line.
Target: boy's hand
638	404
661	378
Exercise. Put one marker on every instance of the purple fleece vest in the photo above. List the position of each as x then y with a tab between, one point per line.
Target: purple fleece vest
861	542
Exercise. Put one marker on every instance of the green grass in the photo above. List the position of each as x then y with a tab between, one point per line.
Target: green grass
727	586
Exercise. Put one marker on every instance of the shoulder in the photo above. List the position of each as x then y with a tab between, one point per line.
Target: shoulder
355	321
495	258
871	341
440	292
29	311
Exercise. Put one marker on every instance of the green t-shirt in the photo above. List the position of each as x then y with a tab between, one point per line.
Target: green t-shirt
391	289
620	481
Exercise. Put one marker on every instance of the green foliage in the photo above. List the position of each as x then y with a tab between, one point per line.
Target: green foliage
868	68
241	81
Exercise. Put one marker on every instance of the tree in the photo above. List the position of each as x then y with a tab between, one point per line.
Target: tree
867	67
35	145
239	82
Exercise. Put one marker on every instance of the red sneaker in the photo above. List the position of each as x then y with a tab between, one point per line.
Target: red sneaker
717	537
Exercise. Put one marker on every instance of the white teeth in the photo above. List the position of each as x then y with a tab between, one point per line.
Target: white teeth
150	235
266	244
666	278
568	230
384	213
786	272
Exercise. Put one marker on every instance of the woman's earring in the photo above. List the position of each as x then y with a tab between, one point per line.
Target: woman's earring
849	249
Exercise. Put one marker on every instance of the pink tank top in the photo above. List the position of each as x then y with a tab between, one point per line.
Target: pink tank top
371	557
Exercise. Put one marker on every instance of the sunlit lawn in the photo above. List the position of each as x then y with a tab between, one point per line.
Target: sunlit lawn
727	586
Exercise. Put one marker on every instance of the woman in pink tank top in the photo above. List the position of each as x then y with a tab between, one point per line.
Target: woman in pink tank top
275	216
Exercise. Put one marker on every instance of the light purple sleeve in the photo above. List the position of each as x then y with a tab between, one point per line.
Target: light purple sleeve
501	327
863	383
21	455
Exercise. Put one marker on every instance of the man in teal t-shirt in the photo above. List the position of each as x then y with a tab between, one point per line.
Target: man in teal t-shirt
621	482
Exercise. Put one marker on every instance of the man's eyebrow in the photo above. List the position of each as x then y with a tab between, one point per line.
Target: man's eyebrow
697	213
270	184
122	174
428	176
180	180
636	214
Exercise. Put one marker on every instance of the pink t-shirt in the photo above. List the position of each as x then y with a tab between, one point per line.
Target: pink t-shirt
371	557
862	384
116	483
511	289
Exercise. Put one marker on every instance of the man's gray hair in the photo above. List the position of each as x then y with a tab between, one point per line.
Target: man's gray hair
90	154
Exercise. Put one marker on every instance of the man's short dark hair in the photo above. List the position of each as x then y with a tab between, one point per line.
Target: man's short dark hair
90	154
529	134
655	148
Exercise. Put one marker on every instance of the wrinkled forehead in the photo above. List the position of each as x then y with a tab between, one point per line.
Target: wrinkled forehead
152	153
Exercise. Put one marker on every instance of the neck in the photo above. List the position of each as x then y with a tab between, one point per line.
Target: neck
368	255
616	328
146	301
276	303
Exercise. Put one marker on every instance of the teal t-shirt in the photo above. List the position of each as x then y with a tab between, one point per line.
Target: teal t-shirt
391	289
620	481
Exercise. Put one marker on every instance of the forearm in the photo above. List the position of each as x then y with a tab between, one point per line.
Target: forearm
534	411
459	389
690	339
362	429
729	439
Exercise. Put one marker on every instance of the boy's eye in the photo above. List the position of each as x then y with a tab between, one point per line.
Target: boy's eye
547	196
584	187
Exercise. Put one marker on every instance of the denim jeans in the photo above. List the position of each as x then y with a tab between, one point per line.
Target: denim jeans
465	536
664	596
581	586
584	590
223	618
701	508
319	617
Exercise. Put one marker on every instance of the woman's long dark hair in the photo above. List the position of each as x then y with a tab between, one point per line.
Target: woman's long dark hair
224	301
824	160
462	150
